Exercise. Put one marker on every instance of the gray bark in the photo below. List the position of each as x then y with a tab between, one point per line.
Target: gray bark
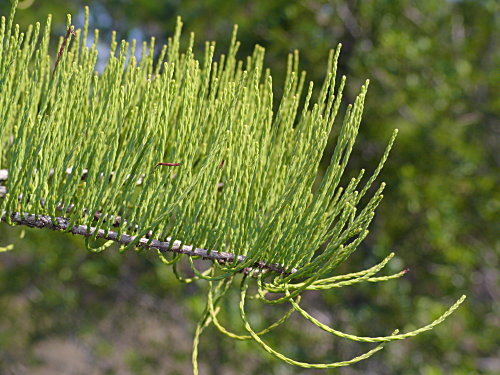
62	223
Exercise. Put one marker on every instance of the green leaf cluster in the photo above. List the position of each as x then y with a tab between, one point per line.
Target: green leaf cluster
247	183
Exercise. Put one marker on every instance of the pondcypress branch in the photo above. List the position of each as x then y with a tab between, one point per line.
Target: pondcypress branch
117	125
62	224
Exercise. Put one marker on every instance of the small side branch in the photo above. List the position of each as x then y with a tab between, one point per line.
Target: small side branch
70	31
62	223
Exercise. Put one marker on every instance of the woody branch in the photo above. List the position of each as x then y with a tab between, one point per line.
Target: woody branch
62	224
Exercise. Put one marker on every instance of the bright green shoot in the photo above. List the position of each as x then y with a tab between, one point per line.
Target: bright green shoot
192	158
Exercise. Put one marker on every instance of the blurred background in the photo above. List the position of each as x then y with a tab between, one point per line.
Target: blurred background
432	69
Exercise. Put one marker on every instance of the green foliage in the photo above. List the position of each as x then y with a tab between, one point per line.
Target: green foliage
136	114
123	122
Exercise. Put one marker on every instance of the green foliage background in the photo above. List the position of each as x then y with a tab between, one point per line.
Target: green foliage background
431	65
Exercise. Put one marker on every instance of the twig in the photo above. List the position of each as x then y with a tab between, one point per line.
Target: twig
169	164
62	223
71	30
